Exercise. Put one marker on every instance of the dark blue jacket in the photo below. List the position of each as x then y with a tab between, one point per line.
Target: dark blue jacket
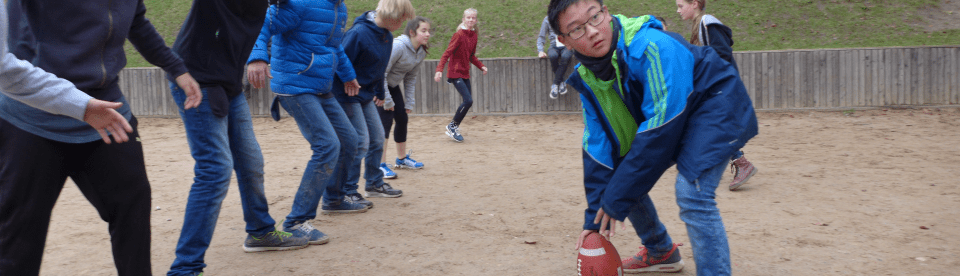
306	51
690	106
368	47
82	41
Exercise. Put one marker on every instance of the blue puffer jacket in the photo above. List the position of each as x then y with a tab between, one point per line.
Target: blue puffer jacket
690	106
306	48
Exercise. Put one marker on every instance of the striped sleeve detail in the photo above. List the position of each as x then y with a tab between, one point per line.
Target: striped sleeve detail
656	84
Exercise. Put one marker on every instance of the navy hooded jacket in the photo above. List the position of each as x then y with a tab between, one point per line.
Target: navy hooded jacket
368	47
690	106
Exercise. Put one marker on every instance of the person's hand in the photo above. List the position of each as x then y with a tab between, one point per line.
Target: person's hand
602	218
484	70
352	88
582	236
542	55
257	73
192	89
377	102
103	116
388	109
409	110
436	77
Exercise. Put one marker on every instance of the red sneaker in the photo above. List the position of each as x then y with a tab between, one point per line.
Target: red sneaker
642	262
742	171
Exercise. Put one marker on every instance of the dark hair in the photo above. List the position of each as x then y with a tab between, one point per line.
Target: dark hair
662	21
412	26
557	7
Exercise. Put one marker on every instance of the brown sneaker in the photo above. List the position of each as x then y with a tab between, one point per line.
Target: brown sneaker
742	171
641	263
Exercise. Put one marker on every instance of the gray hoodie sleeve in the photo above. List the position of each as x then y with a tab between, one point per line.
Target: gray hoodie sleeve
394	57
544	34
26	83
410	86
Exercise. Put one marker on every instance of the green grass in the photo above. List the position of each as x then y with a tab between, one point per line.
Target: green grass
508	28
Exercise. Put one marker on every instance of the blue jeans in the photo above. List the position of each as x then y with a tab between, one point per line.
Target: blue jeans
220	146
334	144
698	209
463	87
559	59
366	120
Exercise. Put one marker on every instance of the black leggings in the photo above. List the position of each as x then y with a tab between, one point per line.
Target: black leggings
399	113
463	86
112	177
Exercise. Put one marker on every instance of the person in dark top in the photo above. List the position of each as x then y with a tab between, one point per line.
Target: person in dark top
215	41
80	42
709	31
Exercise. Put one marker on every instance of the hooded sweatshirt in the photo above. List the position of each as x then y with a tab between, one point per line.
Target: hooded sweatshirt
461	52
368	48
215	42
718	36
404	66
82	42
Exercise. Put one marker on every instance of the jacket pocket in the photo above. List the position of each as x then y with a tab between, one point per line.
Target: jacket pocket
312	57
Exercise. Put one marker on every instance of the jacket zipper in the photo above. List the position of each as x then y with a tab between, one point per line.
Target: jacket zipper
103	62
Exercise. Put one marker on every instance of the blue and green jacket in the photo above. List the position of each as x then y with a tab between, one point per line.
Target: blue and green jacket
670	103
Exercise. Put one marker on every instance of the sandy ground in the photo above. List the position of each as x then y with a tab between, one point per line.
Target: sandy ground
838	193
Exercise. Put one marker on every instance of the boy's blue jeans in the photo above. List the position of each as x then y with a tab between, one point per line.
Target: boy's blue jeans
366	120
219	146
333	141
698	209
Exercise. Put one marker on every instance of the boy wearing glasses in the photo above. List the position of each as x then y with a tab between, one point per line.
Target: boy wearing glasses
651	100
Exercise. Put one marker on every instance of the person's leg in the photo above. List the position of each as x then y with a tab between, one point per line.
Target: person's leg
355	114
566	55
556	64
400	115
316	128
386	117
32	173
658	253
698	209
463	87
248	164
113	178
333	196
372	172
209	146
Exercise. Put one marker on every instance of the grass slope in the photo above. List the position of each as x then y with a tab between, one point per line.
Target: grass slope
508	28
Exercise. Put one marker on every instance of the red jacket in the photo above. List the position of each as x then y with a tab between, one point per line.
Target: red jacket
460	53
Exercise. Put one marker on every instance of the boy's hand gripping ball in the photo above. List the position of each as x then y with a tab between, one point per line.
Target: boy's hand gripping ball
598	257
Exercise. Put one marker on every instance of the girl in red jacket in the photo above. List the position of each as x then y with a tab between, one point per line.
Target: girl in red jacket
461	52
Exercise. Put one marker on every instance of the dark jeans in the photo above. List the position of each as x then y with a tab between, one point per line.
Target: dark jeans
399	113
112	177
559	60
462	86
220	146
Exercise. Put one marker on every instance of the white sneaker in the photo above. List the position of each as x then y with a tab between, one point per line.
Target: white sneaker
554	91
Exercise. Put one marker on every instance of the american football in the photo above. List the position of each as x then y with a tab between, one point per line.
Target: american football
598	257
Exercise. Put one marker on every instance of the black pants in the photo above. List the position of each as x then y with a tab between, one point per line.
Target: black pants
462	86
399	113
112	177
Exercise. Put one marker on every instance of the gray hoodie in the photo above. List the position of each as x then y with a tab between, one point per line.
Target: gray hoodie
404	65
21	81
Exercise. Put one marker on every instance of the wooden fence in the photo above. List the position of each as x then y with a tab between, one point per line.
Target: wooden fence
793	79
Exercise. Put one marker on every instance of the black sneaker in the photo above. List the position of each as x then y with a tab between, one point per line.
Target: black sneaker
357	198
384	191
343	207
